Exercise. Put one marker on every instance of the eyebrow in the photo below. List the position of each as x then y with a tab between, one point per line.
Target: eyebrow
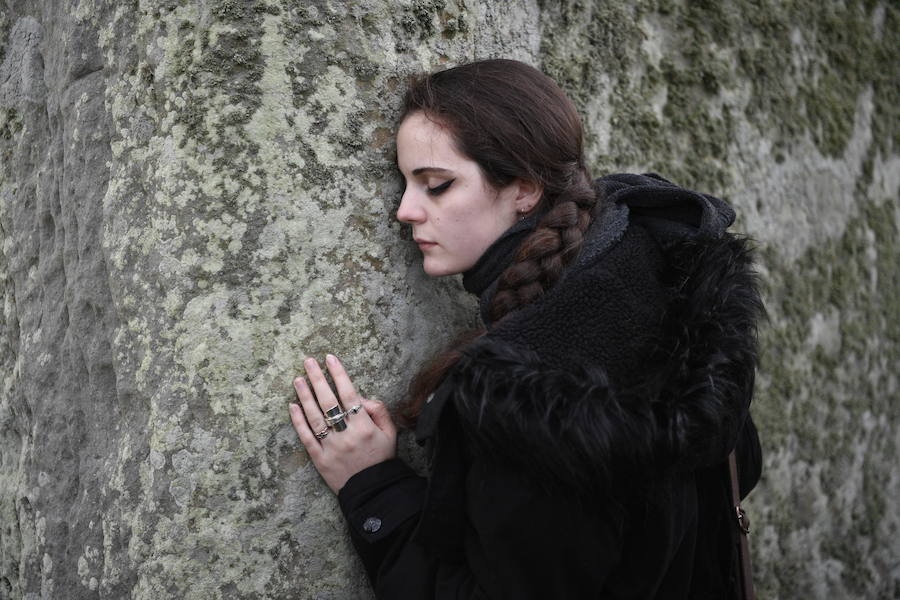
421	170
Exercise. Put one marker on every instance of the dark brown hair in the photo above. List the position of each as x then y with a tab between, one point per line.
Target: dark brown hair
516	123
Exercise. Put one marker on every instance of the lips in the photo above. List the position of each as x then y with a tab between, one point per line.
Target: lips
424	244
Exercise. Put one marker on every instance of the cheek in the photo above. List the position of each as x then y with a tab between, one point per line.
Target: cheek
473	238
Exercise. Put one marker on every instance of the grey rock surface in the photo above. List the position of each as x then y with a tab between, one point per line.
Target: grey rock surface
197	194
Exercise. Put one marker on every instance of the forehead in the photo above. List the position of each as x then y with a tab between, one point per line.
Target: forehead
422	142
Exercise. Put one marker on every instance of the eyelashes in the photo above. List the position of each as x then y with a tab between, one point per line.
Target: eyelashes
440	189
433	191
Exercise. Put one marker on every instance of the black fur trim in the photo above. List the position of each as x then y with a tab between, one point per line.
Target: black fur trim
708	348
561	426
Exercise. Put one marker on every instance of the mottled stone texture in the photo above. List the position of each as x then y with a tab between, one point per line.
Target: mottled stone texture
195	194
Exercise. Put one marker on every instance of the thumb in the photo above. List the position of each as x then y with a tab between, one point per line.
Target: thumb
380	416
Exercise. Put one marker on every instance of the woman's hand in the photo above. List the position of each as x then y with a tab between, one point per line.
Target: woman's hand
370	436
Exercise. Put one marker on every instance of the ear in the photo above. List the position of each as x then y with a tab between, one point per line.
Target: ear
528	196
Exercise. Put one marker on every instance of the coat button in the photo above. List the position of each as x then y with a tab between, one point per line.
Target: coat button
372	524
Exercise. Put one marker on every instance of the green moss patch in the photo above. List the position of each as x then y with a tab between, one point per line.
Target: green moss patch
791	68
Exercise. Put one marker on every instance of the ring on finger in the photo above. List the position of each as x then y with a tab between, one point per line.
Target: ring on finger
334	418
333	415
353	410
321	435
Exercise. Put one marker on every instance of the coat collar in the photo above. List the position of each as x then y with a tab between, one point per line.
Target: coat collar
669	212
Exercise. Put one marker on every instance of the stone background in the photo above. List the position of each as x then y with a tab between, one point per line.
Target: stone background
195	194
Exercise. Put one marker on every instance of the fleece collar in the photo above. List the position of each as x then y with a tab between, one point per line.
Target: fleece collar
670	213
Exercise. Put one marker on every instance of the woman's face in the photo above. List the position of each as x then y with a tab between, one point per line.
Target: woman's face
454	212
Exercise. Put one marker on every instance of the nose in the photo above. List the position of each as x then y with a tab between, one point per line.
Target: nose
410	211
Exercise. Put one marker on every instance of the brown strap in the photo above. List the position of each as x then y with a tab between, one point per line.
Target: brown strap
745	574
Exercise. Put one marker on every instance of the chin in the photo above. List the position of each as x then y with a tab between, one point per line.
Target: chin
439	270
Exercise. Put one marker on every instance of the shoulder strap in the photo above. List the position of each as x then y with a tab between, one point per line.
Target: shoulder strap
745	573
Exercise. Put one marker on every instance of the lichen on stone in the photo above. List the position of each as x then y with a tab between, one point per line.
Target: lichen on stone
194	196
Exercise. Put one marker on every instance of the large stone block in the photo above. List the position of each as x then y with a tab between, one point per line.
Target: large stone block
196	195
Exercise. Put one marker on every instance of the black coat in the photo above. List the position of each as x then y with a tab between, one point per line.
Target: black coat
577	448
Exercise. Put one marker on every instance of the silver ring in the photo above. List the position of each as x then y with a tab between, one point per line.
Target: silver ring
334	418
321	435
354	410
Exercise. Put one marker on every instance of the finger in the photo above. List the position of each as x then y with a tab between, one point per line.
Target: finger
324	394
311	410
346	391
380	416
350	398
307	438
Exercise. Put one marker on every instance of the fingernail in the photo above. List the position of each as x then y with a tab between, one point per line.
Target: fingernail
309	362
330	359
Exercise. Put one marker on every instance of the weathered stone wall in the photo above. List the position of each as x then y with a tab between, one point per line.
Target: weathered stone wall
196	194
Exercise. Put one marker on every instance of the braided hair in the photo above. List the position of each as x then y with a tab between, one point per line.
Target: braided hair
515	123
552	245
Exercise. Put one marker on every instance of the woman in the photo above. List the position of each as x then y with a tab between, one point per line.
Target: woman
577	444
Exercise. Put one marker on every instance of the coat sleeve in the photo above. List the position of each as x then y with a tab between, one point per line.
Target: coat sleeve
520	541
382	504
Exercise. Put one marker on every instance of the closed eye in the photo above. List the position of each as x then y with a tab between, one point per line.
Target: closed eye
440	189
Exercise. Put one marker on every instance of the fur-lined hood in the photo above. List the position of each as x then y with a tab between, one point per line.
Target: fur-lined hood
642	356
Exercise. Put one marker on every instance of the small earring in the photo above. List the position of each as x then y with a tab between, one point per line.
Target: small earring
521	215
